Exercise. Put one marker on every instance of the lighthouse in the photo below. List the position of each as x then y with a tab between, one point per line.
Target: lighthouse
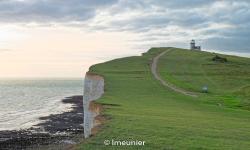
193	47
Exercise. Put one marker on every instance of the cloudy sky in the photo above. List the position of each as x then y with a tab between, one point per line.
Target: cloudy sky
62	38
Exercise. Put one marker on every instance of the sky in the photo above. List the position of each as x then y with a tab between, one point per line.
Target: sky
62	38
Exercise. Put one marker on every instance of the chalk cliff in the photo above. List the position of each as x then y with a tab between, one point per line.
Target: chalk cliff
93	90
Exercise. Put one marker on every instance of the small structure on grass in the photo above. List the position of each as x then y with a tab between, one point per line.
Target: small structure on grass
205	89
193	46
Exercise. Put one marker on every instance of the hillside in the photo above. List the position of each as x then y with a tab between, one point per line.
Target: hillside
139	107
228	83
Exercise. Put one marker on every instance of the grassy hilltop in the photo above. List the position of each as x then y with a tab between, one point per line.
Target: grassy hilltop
139	107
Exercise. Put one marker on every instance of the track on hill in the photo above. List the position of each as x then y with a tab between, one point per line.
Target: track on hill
163	82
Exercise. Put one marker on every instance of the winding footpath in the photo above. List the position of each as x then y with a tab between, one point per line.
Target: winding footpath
163	82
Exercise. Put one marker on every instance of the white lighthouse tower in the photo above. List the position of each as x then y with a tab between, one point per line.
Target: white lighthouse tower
192	44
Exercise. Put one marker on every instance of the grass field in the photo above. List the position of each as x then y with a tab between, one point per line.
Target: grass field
140	108
228	83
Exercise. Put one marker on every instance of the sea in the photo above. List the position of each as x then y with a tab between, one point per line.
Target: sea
23	101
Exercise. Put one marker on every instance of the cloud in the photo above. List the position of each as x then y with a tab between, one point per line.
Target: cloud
223	25
181	4
216	24
50	10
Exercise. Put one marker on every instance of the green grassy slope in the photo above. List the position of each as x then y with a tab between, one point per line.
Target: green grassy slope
228	83
142	109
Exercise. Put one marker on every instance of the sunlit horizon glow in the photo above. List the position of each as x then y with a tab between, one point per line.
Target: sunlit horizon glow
62	40
58	52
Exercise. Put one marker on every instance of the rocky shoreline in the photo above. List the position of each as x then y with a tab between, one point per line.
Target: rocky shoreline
59	131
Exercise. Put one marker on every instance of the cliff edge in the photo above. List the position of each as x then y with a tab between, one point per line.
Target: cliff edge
93	90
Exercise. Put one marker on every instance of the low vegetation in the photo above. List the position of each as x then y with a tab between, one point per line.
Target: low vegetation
219	59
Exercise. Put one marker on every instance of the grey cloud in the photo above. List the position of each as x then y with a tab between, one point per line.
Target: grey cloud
228	44
181	4
237	39
197	17
194	18
50	10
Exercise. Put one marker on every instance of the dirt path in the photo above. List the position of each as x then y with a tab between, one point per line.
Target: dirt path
163	82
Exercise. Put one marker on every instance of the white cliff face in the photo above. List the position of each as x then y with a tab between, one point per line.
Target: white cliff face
93	90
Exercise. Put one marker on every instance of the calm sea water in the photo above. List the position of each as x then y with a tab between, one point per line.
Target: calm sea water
23	101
